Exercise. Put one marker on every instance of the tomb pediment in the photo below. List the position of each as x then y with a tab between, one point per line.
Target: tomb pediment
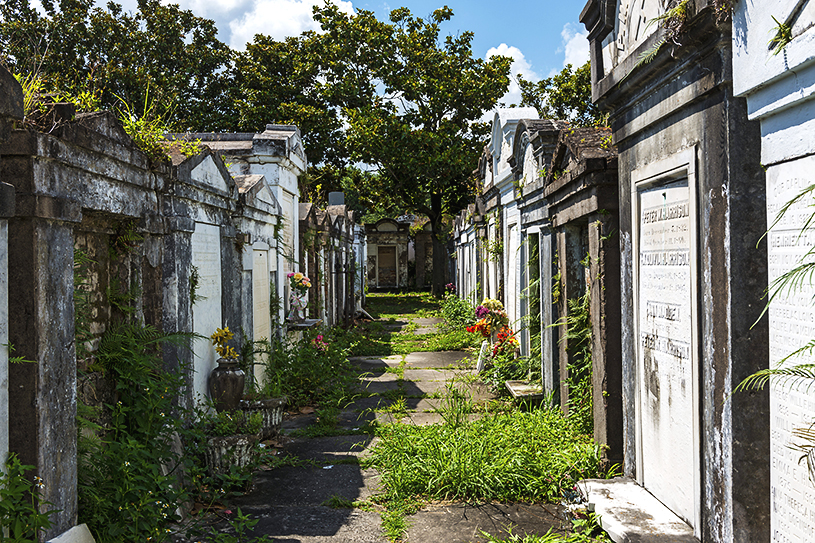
387	225
254	188
634	24
208	171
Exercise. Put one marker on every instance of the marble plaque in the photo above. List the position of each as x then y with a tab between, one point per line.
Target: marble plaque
261	318
3	338
206	312
664	353
792	325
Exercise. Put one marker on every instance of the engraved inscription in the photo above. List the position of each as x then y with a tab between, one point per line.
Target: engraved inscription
665	352
792	325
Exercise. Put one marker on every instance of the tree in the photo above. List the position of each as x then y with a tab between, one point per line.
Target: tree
118	56
566	96
279	81
411	102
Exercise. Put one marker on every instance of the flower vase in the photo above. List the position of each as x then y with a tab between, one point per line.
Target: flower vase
297	306
226	384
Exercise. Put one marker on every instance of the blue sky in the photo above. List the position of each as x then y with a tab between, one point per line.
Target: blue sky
542	36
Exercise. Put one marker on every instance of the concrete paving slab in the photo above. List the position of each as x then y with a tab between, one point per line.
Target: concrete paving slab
428	321
370	363
630	514
317	524
330	448
430	374
381	386
441	359
310	485
377	377
427	405
463	523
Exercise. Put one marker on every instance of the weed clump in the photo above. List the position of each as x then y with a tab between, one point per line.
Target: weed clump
510	457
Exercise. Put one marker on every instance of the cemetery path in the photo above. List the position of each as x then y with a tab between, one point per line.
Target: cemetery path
311	500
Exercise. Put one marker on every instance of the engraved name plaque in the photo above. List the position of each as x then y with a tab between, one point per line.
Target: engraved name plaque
665	336
792	325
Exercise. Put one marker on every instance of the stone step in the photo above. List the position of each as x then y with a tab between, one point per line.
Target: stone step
630	514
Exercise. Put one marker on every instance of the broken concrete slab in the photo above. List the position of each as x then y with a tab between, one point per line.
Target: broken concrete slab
630	514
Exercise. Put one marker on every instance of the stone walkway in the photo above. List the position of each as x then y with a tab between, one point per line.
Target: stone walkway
291	502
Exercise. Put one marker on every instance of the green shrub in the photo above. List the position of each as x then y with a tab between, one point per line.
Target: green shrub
458	313
20	518
232	423
312	370
578	380
128	471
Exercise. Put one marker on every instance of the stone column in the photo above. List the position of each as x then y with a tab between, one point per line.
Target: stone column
177	306
42	394
606	330
11	109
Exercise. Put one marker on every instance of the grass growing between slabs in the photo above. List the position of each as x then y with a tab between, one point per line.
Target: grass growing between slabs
378	338
509	457
506	457
393	306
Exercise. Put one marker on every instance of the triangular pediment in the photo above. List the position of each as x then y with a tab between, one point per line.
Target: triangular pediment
634	22
209	174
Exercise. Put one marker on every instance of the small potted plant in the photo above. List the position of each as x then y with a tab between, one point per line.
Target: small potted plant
226	382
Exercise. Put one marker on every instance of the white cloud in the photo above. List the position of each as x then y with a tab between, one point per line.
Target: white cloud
519	66
276	18
575	45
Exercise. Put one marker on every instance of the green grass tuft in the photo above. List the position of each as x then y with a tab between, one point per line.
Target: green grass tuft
505	457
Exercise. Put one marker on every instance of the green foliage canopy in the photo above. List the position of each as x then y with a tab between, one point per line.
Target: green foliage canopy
565	95
76	47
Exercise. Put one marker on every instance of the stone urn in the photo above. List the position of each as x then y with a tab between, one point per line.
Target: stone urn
226	384
223	452
271	410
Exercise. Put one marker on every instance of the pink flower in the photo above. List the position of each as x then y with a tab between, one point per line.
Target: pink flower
319	338
290	274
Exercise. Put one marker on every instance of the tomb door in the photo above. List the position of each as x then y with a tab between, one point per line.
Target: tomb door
387	266
511	294
261	310
206	310
792	327
666	339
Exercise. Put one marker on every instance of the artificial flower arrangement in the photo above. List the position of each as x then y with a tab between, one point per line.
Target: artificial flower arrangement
505	342
299	283
219	339
491	316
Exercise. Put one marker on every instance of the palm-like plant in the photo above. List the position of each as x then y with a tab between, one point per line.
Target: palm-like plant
796	376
